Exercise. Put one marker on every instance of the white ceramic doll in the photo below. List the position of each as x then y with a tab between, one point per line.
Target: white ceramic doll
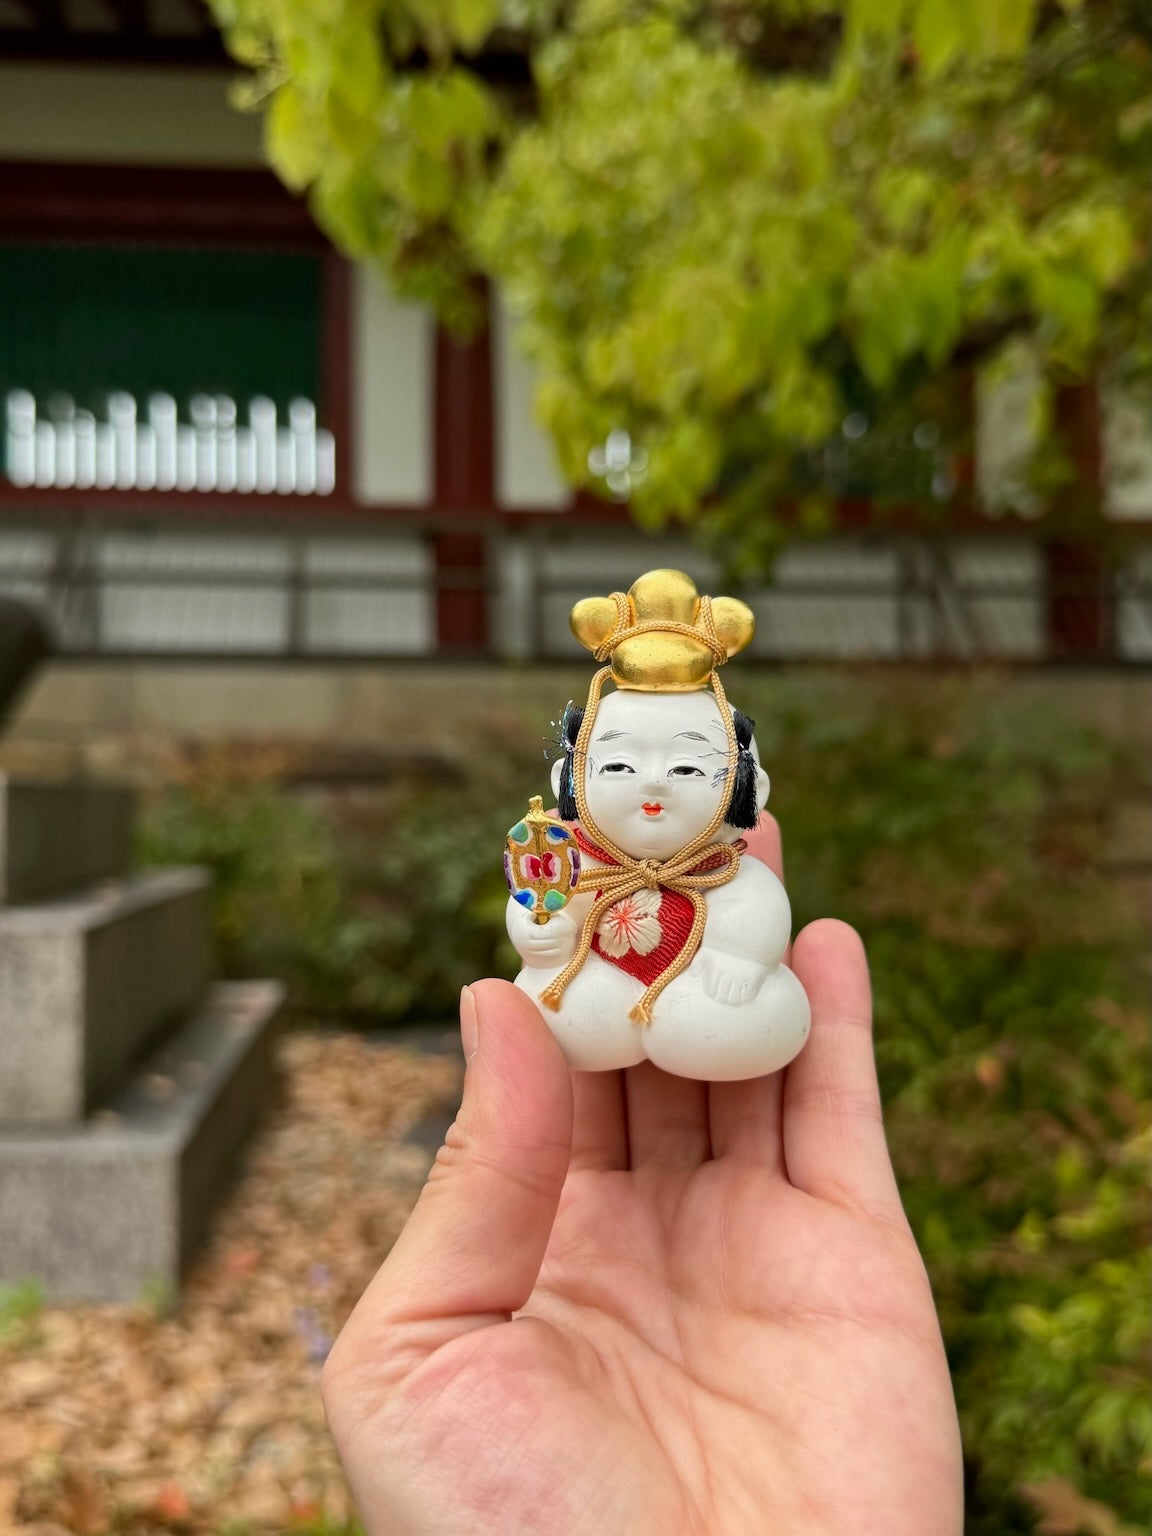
644	933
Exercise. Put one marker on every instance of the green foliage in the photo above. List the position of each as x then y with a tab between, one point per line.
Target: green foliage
726	229
282	903
325	1525
159	1297
376	914
319	1525
20	1308
962	833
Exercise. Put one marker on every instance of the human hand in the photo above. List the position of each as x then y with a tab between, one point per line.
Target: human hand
629	1304
542	945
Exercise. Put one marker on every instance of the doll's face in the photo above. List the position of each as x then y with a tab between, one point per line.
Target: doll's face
656	771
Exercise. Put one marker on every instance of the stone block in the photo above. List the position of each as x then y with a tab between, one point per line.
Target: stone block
114	1208
88	983
60	837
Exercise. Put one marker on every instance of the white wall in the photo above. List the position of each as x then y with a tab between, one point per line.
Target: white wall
836	599
393	358
359	593
124	115
1128	455
1007	427
1005	430
527	475
139	611
344	617
859	617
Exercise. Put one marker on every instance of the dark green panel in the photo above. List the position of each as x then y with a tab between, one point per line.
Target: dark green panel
85	320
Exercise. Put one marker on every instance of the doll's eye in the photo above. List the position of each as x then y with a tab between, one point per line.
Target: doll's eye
617	768
686	771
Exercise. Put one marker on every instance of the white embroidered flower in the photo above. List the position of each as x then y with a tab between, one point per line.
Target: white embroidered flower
631	924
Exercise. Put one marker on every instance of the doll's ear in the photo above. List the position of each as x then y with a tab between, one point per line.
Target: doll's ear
556	775
763	785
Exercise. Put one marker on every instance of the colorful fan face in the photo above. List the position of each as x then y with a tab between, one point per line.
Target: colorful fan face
541	863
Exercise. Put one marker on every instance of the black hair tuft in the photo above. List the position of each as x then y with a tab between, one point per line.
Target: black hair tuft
742	810
570	723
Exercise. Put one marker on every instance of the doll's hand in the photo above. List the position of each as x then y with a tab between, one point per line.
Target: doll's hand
729	978
544	946
629	1304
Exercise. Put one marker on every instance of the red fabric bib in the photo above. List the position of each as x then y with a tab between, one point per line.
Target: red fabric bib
645	932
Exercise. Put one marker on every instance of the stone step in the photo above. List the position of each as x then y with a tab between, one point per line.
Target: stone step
88	983
56	838
114	1208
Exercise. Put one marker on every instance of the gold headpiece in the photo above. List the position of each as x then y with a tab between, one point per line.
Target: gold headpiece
661	636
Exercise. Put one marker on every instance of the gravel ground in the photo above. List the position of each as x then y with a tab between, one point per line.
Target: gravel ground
207	1415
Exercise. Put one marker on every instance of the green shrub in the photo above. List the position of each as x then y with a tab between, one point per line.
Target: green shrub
282	902
20	1308
966	843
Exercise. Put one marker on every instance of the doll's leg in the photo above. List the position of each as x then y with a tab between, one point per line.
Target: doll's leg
694	1035
592	1023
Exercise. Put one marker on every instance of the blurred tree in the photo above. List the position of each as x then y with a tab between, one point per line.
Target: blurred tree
767	238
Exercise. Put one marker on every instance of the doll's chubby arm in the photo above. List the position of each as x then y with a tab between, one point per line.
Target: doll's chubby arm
746	936
542	946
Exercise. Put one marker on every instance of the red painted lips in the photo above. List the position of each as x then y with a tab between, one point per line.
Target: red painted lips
652	808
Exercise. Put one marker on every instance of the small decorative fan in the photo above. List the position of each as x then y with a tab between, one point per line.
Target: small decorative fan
541	862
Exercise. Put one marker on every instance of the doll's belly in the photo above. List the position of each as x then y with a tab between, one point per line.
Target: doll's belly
693	1032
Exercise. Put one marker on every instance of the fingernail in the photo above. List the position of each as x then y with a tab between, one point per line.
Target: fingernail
469	1033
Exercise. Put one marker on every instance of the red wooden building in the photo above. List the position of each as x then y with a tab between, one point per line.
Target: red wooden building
220	438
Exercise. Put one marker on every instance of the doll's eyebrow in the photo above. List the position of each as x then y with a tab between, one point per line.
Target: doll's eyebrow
611	735
691	735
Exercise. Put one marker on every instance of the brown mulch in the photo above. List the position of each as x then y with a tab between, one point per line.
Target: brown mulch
142	1419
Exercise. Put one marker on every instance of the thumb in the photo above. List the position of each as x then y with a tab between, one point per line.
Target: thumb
472	1249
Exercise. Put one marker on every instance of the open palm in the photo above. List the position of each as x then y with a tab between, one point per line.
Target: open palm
631	1303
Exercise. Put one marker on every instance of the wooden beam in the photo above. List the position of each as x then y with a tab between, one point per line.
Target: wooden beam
49	39
1079	601
461	565
47	15
172	204
31	10
131	14
336	390
464	422
203	17
464	483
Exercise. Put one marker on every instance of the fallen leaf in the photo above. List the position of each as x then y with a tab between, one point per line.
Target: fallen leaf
9	1499
1065	1511
117	1419
84	1502
170	1503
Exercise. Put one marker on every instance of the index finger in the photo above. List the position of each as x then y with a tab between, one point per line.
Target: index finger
764	843
746	1117
834	1140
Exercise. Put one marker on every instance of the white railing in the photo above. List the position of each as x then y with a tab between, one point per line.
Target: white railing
72	448
317	587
